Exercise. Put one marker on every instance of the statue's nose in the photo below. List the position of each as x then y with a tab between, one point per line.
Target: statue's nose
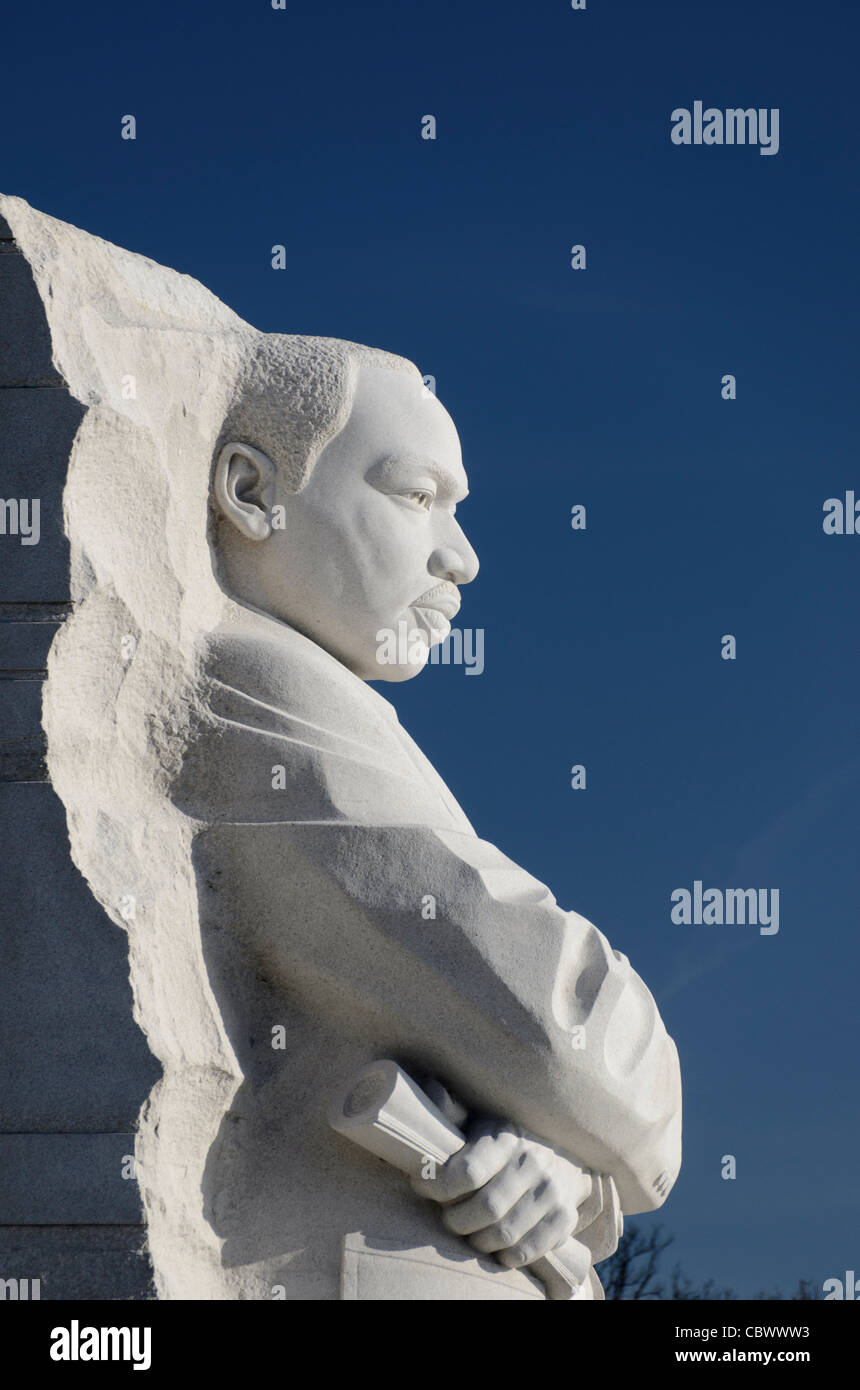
458	564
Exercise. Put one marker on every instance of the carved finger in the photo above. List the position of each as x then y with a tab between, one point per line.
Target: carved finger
470	1169
489	1205
551	1231
517	1223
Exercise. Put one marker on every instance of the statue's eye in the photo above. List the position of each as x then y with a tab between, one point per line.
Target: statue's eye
422	497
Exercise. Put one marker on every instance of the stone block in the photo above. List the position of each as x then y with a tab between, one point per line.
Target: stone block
37	429
78	1262
24	758
20	708
68	1180
24	646
73	1056
25	342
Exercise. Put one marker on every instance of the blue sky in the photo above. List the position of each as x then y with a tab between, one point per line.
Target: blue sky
301	127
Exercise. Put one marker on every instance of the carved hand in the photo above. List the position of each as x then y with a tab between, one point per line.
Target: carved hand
510	1195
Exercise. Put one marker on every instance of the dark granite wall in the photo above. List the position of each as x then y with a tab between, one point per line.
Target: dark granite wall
74	1067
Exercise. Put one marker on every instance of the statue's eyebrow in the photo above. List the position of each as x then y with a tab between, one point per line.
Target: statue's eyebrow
389	468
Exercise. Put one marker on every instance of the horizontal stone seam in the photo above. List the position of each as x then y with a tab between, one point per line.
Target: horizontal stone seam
24	610
72	1225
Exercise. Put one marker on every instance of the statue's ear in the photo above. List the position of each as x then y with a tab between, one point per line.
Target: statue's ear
244	489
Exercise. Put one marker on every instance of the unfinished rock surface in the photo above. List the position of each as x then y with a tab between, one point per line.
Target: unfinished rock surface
245	514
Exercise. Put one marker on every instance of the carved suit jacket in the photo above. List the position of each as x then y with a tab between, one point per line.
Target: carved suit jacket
349	911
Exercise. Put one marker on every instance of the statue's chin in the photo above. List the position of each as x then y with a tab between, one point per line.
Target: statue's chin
402	667
399	653
396	652
374	668
396	673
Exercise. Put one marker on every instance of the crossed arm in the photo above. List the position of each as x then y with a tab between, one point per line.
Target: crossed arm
484	995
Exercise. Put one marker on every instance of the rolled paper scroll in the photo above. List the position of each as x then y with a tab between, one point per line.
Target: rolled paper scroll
385	1112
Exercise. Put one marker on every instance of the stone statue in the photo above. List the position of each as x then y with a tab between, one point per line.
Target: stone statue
251	517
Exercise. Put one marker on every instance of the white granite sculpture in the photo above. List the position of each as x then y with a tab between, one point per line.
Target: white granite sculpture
247	513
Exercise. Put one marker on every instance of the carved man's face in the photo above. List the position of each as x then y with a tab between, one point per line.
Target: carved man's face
367	558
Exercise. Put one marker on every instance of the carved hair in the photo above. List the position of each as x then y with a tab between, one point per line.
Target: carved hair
294	395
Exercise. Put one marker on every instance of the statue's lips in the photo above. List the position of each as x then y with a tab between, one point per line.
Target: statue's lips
434	611
443	599
433	621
